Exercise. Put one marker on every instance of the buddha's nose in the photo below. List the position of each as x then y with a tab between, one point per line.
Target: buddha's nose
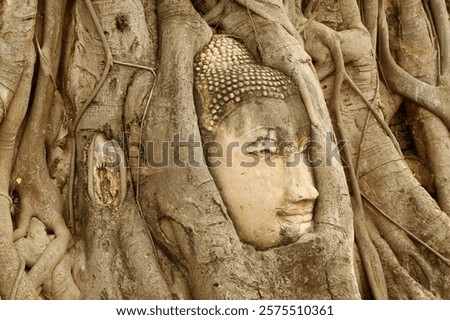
300	183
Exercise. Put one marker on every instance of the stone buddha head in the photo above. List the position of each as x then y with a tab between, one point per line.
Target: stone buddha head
255	116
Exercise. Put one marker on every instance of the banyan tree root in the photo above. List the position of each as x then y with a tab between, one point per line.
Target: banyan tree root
416	52
17	57
106	181
401	284
431	97
101	163
110	61
123	241
370	257
408	255
413	260
52	218
393	166
33	245
61	284
39	196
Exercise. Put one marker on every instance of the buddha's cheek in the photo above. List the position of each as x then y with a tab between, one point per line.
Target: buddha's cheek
255	224
261	236
252	196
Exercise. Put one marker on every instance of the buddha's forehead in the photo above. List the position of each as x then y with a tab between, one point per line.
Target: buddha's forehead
287	117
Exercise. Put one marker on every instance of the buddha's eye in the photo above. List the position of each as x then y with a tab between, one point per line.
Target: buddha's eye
288	151
306	150
263	146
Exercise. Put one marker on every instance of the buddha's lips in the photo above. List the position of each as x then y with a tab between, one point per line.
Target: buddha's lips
298	215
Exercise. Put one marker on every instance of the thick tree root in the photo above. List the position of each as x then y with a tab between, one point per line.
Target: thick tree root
132	264
17	57
108	65
412	235
402	286
38	195
418	54
60	283
15	287
428	96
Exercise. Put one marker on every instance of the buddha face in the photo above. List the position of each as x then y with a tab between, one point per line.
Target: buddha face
266	183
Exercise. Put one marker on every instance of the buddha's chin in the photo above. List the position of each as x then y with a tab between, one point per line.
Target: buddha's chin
288	234
291	232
